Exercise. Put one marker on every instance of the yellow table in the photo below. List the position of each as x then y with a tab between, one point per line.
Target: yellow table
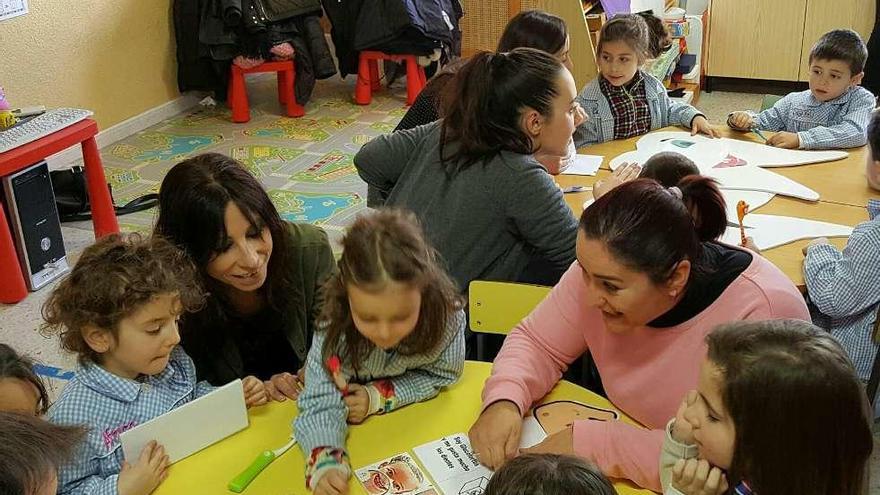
841	185
453	411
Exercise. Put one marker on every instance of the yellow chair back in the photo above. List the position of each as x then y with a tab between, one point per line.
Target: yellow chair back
497	307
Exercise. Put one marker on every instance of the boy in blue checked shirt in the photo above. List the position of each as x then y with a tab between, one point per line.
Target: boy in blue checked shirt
843	286
118	310
833	113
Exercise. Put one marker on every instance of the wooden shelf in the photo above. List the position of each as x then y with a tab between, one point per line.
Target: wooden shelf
588	5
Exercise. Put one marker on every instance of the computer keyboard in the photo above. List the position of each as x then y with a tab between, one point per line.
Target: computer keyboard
39	126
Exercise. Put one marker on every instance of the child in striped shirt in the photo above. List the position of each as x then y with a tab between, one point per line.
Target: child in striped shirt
118	311
833	113
392	334
842	285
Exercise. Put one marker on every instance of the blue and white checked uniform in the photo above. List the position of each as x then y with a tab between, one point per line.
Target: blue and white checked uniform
108	405
599	126
322	413
839	123
844	289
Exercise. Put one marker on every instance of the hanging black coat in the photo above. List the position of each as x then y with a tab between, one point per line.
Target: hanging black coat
392	26
211	32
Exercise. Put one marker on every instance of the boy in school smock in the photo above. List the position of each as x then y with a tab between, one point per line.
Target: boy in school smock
833	113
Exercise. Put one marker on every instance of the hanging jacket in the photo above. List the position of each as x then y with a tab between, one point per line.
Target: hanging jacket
210	33
392	26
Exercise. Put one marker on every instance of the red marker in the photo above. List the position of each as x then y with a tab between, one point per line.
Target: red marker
335	368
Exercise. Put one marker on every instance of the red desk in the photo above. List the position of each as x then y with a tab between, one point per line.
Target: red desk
12	285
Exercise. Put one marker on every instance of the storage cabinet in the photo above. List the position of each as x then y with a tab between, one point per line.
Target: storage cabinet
756	39
823	16
761	39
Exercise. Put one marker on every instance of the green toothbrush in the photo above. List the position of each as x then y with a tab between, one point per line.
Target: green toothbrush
240	482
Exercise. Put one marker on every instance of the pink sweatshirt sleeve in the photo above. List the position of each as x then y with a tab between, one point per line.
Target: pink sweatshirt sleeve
621	450
541	347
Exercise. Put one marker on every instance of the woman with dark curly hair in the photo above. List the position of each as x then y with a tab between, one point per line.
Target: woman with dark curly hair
262	274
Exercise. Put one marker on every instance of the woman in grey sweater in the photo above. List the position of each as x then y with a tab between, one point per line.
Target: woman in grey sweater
487	206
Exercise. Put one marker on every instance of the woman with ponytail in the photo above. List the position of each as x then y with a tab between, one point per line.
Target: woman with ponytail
487	206
650	283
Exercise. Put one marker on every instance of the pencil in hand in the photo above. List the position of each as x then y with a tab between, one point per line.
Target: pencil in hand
335	367
742	208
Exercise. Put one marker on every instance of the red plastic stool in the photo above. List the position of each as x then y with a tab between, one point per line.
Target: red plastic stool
237	93
368	76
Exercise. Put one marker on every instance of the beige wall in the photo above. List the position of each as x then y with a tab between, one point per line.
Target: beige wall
114	57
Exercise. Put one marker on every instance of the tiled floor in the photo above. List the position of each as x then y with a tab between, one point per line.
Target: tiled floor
305	163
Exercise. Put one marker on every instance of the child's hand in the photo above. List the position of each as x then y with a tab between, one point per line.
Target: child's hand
335	482
624	173
495	436
283	386
580	115
740	121
750	244
815	242
701	125
787	140
682	430
698	477
145	475
358	403
254	391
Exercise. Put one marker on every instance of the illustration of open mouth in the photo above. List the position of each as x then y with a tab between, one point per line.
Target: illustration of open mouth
380	481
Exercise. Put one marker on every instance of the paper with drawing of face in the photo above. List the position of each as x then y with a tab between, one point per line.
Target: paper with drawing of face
553	417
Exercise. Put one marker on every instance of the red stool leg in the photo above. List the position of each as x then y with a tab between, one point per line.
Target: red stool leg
294	109
283	95
375	80
362	89
103	213
238	100
12	286
413	79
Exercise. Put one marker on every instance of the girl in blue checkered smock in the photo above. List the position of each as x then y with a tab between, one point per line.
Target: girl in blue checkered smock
392	334
118	311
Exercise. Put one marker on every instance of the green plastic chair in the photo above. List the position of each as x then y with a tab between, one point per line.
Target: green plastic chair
768	101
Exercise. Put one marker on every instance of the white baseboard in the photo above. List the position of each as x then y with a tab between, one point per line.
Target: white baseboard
126	128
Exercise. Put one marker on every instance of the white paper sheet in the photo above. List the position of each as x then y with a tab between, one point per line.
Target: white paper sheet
755	200
12	8
770	231
451	463
584	165
192	426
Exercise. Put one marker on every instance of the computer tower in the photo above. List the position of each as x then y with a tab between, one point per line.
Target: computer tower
36	229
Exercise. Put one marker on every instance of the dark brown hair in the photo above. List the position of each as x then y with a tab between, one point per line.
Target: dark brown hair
658	36
193	199
630	29
32	450
548	474
800	412
534	29
382	246
668	168
13	365
842	44
114	277
874	135
485	100
648	228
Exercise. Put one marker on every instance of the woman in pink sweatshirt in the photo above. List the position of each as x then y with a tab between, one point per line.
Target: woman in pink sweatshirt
649	283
